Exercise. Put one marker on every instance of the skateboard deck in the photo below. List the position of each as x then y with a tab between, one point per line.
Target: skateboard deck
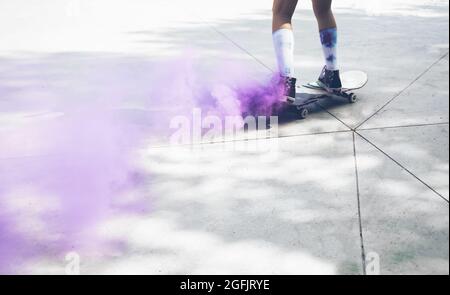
311	93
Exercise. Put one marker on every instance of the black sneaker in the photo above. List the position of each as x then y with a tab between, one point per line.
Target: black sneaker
289	88
330	80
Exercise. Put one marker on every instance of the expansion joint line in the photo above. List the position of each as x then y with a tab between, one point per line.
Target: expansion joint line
358	195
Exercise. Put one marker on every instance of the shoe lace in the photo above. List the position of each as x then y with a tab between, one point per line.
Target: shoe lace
329	76
324	72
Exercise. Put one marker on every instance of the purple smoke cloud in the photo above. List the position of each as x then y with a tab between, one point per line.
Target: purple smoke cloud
66	172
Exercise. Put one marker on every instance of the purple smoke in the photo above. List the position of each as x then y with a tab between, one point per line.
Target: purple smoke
81	166
70	168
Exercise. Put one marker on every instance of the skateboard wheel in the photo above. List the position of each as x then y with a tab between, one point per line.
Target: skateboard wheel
352	98
303	112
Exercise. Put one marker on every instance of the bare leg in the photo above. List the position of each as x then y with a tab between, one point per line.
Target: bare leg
283	10
324	14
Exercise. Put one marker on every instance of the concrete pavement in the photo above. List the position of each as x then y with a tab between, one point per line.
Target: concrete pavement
351	187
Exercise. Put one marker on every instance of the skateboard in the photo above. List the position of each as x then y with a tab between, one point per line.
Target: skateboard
311	93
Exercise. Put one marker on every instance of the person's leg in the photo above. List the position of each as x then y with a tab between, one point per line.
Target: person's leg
328	31
283	40
283	10
324	14
283	36
328	36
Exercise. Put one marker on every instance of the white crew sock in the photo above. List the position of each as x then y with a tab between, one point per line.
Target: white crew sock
283	41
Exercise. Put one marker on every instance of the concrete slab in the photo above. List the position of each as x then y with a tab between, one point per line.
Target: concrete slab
425	102
224	211
404	223
422	150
